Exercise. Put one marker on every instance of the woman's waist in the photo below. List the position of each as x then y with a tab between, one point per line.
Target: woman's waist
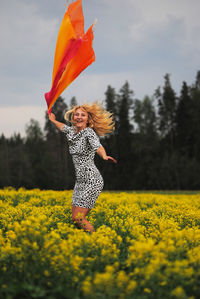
84	166
82	160
84	172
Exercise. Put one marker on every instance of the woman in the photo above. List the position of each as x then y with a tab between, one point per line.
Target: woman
88	122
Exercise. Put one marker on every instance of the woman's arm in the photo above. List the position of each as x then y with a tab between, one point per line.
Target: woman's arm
58	124
102	153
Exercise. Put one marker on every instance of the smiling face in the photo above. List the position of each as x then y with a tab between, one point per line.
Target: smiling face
80	119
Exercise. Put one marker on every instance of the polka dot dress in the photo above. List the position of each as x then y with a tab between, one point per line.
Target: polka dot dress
89	182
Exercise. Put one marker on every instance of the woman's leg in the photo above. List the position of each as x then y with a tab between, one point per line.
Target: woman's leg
78	216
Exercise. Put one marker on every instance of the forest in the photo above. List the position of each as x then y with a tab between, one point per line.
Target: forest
156	143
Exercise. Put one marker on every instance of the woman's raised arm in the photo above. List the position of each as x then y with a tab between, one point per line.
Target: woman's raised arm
58	124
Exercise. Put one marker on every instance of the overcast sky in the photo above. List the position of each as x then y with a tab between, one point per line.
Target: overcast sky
135	40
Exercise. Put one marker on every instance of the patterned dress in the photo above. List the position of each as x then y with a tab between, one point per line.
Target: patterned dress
89	182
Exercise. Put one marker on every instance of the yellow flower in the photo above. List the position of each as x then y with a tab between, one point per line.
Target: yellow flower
163	283
87	286
179	292
131	286
76	262
104	280
46	273
122	279
11	234
35	245
147	290
110	269
4	286
155	231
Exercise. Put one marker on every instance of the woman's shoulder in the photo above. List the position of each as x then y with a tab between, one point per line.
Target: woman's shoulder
90	130
66	128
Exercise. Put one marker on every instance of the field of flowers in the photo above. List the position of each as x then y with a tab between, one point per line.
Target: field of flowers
146	245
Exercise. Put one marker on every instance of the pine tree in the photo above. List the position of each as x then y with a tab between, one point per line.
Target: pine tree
110	100
184	122
145	143
145	116
108	170
167	104
195	96
124	136
20	166
35	148
5	169
73	102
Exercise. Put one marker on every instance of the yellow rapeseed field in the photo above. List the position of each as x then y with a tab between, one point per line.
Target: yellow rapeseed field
146	245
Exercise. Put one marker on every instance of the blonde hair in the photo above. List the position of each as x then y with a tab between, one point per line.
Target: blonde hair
99	119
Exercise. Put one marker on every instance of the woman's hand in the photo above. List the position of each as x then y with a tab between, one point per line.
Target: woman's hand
102	153
108	158
52	117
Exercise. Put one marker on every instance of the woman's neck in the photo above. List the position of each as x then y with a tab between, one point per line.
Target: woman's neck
79	129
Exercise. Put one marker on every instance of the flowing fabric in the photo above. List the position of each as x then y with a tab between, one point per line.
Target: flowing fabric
73	52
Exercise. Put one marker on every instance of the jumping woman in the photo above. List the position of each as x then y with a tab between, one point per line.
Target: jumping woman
88	121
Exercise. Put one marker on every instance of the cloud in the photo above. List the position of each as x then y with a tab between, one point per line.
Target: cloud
88	88
24	35
138	41
132	27
27	40
14	119
175	22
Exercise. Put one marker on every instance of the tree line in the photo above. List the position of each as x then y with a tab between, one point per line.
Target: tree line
156	143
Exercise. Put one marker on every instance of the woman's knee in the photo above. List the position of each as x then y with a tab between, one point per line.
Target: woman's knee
77	218
78	213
